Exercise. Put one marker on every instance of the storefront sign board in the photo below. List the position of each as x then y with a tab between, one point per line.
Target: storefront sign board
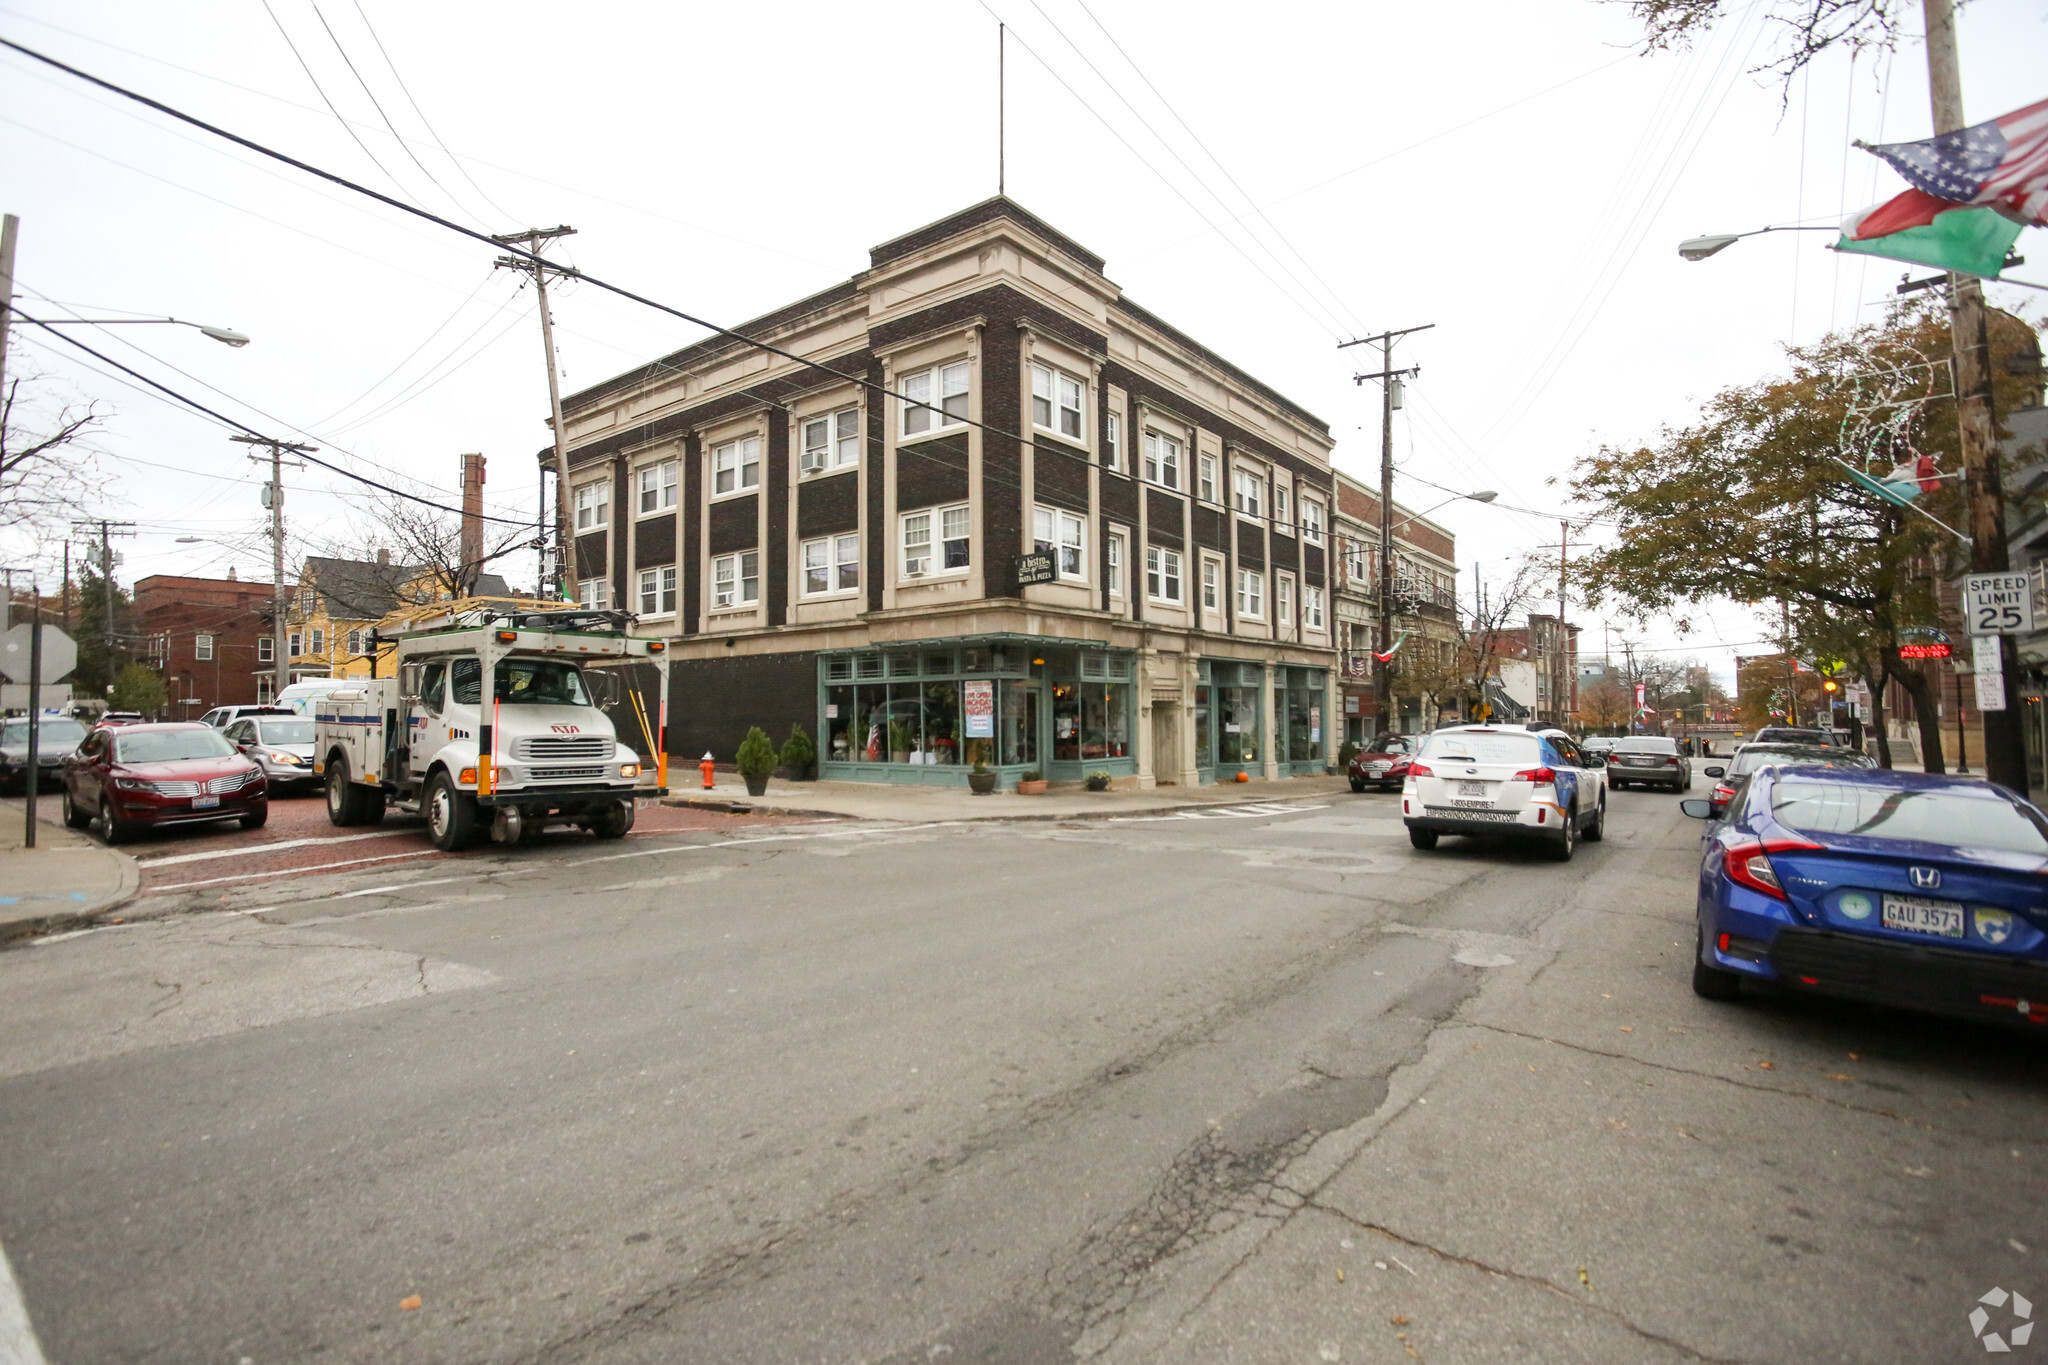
1036	567
978	700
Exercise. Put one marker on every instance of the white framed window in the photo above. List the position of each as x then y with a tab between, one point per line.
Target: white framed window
593	506
1248	492
1311	521
1358	561
736	465
1206	489
1113	564
1056	401
1283	599
657	487
317	641
943	387
1251	593
1212	584
935	540
832	442
292	644
1280	519
1113	442
202	648
1312	607
266	650
355	642
590	593
658	591
1064	535
953	537
831	564
1162	460
1162	574
736	580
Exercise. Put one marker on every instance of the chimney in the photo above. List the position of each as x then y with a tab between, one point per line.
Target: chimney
472	519
231	573
383	559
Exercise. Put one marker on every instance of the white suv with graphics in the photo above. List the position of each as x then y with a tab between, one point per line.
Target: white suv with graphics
1504	780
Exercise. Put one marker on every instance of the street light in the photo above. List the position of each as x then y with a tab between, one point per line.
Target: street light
1483	495
1699	248
227	336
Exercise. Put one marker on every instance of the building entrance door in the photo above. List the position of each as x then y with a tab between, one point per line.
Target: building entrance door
1166	743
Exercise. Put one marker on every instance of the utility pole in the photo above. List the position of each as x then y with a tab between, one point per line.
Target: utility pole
2005	754
279	660
565	539
9	227
1383	680
106	531
1791	670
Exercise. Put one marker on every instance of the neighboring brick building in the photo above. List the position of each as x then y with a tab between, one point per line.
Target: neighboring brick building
1425	606
213	638
1089	543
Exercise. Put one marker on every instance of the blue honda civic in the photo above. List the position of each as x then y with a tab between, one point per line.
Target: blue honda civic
1925	892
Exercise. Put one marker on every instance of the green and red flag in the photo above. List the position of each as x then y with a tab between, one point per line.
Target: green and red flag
1972	191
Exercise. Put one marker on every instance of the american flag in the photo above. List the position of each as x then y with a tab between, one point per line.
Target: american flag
2000	164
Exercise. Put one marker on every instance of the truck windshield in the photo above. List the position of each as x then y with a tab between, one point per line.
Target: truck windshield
537	682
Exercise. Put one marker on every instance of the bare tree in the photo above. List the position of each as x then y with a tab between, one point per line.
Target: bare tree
43	479
430	540
1809	27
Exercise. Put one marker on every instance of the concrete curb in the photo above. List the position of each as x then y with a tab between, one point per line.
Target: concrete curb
14	928
729	806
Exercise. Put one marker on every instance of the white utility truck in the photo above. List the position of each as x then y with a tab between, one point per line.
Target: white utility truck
494	722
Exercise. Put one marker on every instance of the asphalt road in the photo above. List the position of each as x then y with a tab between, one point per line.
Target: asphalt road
1254	1086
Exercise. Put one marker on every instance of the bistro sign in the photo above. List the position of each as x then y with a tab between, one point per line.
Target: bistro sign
1036	567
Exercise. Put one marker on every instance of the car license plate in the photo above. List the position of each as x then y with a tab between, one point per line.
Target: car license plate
209	802
1471	789
1918	915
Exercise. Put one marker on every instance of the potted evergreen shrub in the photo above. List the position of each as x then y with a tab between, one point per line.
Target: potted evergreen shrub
1098	781
799	755
981	781
1031	783
756	760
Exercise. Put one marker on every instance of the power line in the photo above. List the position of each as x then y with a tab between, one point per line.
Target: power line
406	90
346	127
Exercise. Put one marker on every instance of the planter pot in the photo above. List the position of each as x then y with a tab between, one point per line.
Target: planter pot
1098	784
757	783
981	784
1032	788
899	755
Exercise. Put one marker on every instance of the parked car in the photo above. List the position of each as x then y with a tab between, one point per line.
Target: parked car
122	718
1792	734
281	744
1596	746
1382	763
1752	757
1651	760
1504	780
135	777
56	736
300	696
1898	888
220	717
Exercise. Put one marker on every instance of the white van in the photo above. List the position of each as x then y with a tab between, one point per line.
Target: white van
300	696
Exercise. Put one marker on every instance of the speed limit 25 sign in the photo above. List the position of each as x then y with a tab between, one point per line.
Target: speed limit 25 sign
1999	603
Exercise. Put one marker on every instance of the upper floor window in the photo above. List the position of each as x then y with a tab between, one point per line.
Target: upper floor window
736	580
832	442
1162	574
1056	401
266	649
1064	535
1358	561
922	553
1312	608
658	591
1206	488
355	642
831	564
1212	584
1251	593
590	593
202	648
1280	507
1162	460
292	644
1113	564
1113	442
1311	521
657	487
936	398
1283	600
1248	492
736	465
593	506
318	644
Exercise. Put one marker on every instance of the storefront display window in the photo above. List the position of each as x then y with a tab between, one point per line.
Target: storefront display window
1090	720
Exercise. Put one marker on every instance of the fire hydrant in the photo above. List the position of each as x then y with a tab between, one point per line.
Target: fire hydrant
705	767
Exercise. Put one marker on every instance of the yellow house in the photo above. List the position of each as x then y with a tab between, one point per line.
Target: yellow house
340	601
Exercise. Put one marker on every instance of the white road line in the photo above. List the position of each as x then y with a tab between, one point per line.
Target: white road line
287	871
249	850
1226	813
17	1339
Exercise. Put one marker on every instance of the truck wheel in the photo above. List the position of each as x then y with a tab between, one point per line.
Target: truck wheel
451	814
614	823
343	807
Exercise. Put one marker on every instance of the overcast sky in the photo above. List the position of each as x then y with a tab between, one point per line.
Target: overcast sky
1510	172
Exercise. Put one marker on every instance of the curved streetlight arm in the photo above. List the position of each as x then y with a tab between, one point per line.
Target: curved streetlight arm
1484	495
1699	248
227	336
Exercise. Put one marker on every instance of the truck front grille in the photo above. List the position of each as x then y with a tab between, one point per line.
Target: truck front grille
565	774
542	748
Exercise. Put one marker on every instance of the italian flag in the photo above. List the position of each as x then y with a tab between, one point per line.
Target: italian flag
1971	191
1921	229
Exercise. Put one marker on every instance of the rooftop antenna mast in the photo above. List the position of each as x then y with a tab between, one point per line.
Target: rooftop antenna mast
1002	94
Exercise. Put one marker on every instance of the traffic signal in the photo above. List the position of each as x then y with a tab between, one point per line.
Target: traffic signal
1829	685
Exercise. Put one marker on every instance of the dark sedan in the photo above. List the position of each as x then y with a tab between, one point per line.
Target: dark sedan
1752	757
1926	892
136	777
56	736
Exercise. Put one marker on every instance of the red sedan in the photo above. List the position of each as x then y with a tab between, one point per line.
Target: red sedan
135	777
1384	763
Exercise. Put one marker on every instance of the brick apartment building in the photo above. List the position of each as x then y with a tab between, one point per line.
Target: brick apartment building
213	638
1425	607
1089	542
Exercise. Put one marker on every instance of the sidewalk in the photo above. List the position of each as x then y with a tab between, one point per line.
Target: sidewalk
920	804
67	878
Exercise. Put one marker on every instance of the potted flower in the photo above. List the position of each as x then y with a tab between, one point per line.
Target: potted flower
799	755
756	760
1031	783
899	742
1098	781
981	781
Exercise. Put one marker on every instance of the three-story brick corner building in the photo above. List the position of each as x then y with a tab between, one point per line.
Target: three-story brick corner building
1078	540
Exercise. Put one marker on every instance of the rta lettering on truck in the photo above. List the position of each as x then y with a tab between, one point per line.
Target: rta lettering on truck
496	722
